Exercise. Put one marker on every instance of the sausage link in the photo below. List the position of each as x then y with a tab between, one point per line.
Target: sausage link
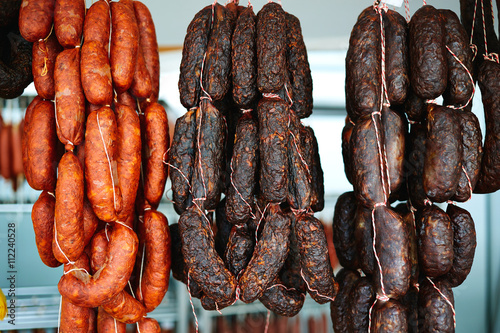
141	86
433	309
343	230
68	22
389	317
35	19
340	307
42	65
363	235
107	324
239	248
124	308
312	158
96	73
395	130
416	156
281	300
42	216
362	296
96	26
148	325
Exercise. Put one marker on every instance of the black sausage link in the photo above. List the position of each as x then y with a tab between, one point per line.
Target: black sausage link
268	257
443	153
429	67
209	155
298	68
415	157
343	230
281	300
204	264
464	245
193	51
314	259
435	241
396	57
271	48
415	107
217	67
273	142
346	149
395	129
389	317
460	85
243	170
433	309
182	155
223	229
239	248
363	235
311	156
362	296
489	83
340	307
244	59
290	273
363	66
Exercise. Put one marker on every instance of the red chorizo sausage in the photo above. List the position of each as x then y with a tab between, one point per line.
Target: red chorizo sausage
68	22
107	324
35	19
97	24
96	73
141	86
42	216
42	65
148	325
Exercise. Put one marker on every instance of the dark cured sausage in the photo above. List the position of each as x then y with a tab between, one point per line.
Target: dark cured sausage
311	156
271	48
343	230
346	150
42	216
43	63
124	45
394	143
68	22
416	156
239	248
363	70
182	154
433	309
193	51
314	260
443	153
362	296
204	264
363	234
90	291
68	217
281	300
35	19
429	67
244	59
389	317
70	100
340	307
268	257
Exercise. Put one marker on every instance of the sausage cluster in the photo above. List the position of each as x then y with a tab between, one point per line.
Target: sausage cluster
246	83
95	137
394	72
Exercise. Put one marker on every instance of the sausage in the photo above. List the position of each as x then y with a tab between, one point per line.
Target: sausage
433	309
369	174
409	223
26	122
210	304
464	245
68	22
74	318
281	300
124	45
415	107
68	215
388	317
101	165
90	291
155	273
397	58
298	68
346	150
362	296
428	64
312	158
340	307
299	177
42	216
343	230
443	153
273	142
221	238
90	221
193	52
217	63
141	86
239	248
489	177
92	321
96	26
392	274
204	264
363	70
124	308
149	46
271	48
96	73
243	166
157	141
460	83
107	324
394	126
209	156
268	257
70	100
148	325
314	259
416	153
363	236
40	144
244	59
128	157
42	65
182	155
127	99
471	157
98	250
35	19
290	275
435	241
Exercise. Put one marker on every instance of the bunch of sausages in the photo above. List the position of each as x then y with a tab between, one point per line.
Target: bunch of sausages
96	72
246	82
413	254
